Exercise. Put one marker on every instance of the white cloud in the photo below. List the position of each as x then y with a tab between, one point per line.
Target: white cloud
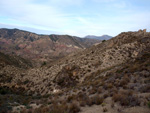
49	16
32	13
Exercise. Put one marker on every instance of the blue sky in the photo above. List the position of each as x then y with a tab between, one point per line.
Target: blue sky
75	17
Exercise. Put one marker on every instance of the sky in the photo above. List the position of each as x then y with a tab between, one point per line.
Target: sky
76	17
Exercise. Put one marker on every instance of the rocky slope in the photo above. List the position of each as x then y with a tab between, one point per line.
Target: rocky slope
13	60
113	76
42	47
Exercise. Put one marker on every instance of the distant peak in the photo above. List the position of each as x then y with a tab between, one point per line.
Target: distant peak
103	37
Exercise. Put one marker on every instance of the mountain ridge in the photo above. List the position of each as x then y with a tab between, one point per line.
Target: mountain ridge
112	76
44	47
103	37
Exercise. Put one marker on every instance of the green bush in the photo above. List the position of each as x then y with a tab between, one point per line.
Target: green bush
148	104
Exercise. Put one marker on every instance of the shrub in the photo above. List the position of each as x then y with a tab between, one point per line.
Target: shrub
71	98
124	81
105	95
108	86
148	104
74	108
97	100
103	40
4	90
105	109
145	88
99	90
55	108
112	105
89	101
126	98
82	103
103	104
116	97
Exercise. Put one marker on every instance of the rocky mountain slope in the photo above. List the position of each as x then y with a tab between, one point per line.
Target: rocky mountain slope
42	47
103	37
112	77
14	61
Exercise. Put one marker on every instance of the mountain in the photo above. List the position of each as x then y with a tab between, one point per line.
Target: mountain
40	47
103	37
112	76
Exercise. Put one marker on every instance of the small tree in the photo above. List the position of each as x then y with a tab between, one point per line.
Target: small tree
44	63
103	40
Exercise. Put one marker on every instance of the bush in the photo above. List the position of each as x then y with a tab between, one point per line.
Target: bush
4	90
89	101
105	109
148	104
99	90
145	88
97	100
126	98
105	95
116	97
55	108
124	81
108	86
74	108
103	40
71	98
82	103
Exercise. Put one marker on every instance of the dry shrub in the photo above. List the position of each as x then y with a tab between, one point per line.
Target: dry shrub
125	80
81	96
71	98
82	103
24	111
123	99
126	98
42	109
106	95
112	105
89	101
99	90
145	88
95	100
74	108
56	108
105	109
116	97
108	86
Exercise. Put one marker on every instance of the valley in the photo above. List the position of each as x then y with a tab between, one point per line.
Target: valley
80	75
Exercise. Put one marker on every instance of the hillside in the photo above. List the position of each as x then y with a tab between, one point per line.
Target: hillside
14	61
111	77
41	48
